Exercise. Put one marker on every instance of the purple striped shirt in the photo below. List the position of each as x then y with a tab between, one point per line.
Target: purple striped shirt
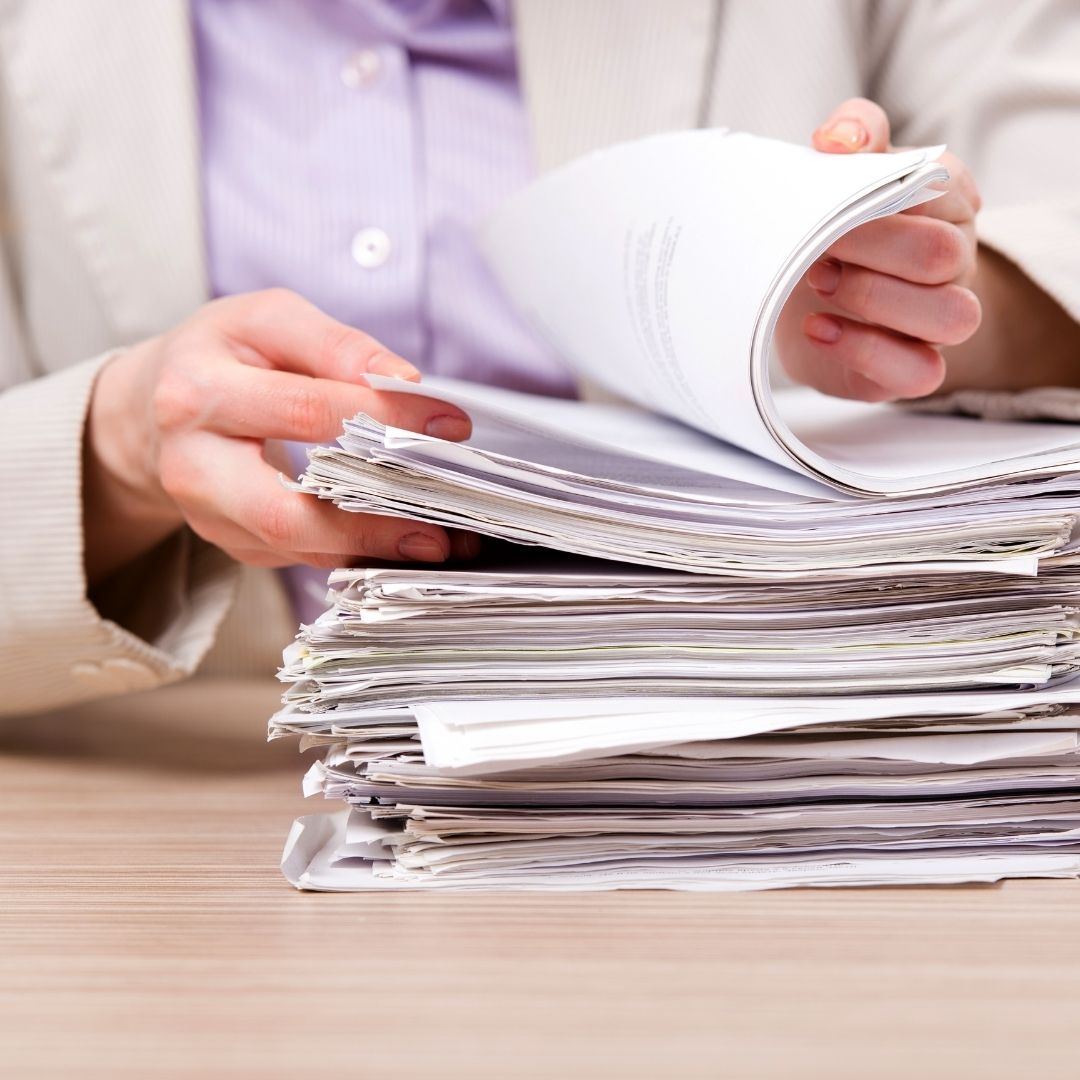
349	148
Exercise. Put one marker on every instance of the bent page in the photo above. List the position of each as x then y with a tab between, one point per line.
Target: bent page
502	735
573	432
647	265
658	269
884	450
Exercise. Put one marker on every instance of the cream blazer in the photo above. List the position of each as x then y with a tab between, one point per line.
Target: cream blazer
103	246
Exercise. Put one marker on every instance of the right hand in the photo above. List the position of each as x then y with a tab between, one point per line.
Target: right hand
178	427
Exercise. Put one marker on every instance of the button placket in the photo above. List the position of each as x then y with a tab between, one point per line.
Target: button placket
383	245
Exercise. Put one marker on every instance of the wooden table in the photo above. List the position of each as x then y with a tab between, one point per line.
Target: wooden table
146	932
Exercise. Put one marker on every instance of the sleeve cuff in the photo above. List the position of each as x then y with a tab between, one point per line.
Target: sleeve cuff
1042	239
1042	403
58	647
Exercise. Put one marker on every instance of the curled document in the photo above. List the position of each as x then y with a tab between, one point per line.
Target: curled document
658	269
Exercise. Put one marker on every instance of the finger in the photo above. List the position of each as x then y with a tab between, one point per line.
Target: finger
261	557
914	247
943	314
852	360
213	478
956	205
858	125
961	200
272	560
261	403
279	327
245	547
952	206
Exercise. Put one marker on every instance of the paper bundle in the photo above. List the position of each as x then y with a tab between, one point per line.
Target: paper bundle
445	703
834	643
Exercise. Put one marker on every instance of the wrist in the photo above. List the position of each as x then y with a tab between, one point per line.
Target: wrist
125	510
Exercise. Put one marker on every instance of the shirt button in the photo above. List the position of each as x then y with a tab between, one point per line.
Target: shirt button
370	248
361	69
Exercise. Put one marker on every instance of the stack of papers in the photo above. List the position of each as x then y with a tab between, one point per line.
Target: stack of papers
617	482
588	633
789	640
446	705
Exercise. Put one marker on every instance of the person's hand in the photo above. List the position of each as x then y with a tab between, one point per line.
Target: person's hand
178	428
870	317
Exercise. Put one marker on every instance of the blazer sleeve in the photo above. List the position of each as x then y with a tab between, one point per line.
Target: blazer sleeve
58	648
999	82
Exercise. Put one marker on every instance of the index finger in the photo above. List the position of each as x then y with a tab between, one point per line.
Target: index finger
257	403
961	200
278	328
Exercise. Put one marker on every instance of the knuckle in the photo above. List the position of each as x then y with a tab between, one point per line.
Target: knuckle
177	401
274	524
376	538
862	350
365	543
308	415
258	307
179	477
944	251
229	311
863	292
340	344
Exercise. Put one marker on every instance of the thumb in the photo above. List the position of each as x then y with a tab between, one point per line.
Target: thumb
855	126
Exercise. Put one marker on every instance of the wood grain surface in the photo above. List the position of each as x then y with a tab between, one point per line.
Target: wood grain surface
145	932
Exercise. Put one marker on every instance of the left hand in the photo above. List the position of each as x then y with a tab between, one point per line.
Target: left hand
868	319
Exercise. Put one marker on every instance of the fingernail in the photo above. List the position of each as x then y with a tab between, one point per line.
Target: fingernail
465	545
822	328
450	428
824	276
419	547
394	366
850	134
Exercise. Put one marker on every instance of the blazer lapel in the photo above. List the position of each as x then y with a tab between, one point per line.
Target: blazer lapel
107	90
595	72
